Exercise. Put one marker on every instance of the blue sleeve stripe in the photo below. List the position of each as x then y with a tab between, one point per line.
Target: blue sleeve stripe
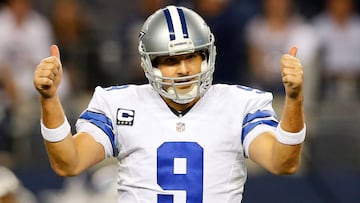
102	122
251	126
258	114
88	115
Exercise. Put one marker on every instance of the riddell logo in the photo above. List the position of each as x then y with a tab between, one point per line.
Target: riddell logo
125	117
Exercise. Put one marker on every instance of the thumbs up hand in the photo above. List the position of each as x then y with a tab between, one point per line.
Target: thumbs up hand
48	74
292	74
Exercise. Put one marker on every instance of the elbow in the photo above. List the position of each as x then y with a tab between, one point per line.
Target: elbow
64	171
286	169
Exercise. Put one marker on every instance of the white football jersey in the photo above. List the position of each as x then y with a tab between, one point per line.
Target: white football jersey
195	158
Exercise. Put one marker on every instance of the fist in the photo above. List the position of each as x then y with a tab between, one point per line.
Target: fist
48	74
292	73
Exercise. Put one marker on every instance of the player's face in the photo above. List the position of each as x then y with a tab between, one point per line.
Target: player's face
180	66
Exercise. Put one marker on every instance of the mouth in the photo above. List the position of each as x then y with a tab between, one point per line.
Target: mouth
184	89
182	84
183	80
185	84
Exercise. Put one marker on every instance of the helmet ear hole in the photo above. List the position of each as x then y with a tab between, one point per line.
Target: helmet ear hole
204	54
154	61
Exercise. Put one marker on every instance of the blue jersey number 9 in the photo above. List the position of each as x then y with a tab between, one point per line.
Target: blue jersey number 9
191	177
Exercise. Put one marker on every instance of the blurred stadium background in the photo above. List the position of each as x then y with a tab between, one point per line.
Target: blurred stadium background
330	170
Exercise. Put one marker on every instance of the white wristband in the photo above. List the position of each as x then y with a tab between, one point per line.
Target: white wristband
55	134
290	138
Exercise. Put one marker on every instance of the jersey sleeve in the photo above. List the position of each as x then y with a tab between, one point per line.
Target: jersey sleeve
260	117
96	121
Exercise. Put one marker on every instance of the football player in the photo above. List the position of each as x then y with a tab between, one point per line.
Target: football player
179	138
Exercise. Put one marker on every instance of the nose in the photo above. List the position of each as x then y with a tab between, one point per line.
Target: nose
183	69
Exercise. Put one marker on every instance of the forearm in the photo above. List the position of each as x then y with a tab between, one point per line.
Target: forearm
292	119
286	156
62	154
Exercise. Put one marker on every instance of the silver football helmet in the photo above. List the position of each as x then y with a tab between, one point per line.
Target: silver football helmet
174	31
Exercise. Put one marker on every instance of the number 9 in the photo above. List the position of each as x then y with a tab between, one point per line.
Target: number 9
191	180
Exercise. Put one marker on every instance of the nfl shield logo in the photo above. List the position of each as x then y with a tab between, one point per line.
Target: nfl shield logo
180	127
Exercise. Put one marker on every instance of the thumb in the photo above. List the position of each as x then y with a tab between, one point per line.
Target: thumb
54	51
293	51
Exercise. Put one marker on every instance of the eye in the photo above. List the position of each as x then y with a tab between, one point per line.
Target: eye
191	56
169	61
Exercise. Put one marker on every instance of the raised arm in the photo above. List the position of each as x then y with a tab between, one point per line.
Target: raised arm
69	155
280	153
292	119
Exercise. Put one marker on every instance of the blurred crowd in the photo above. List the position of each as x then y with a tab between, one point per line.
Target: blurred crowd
98	45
